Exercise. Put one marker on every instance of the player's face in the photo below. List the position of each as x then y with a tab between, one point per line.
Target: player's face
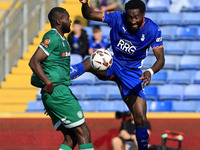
66	23
135	19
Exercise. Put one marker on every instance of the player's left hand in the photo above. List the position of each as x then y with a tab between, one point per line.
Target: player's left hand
146	78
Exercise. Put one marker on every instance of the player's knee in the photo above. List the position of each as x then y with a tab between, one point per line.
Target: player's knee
116	141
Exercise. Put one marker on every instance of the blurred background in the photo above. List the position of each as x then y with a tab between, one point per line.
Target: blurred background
173	97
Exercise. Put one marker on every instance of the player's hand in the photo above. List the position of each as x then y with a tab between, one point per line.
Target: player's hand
48	87
83	1
146	78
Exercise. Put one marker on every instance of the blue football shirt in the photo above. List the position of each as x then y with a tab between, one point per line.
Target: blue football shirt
130	49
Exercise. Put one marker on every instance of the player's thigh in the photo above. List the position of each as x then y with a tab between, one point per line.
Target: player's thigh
138	107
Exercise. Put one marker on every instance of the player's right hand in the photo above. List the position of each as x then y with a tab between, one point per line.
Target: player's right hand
48	88
83	1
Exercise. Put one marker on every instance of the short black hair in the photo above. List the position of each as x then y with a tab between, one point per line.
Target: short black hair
77	22
135	4
56	13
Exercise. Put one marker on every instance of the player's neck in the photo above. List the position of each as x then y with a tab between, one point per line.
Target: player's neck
59	31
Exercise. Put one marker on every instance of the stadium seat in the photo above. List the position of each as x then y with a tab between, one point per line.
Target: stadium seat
197	78
153	16
93	23
158	5
151	92
114	93
175	48
170	92
86	78
125	107
95	92
35	106
107	82
198	106
179	77
89	106
196	5
191	92
189	62
198	33
75	59
168	32
193	47
190	18
184	106
105	31
77	91
161	106
169	19
148	105
111	106
171	62
185	33
89	31
149	61
159	78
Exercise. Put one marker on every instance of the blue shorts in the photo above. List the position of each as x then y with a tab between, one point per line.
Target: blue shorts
127	80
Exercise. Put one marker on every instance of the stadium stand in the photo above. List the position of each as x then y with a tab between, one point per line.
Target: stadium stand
175	88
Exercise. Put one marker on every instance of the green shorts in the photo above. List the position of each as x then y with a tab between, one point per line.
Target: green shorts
63	107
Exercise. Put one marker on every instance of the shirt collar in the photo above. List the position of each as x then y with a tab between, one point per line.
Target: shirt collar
63	37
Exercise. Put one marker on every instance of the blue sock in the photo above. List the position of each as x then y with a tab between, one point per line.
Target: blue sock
142	138
76	70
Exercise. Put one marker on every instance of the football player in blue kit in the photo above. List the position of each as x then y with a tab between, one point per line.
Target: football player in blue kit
131	36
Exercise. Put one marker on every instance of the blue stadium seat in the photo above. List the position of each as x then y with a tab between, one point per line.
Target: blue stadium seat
161	106
77	91
159	78
39	96
190	18
158	5
75	59
111	106
168	32
175	48
125	107
179	77
35	106
170	92
86	78
189	62
197	78
149	61
93	23
184	106
89	31
185	33
172	62
95	92
114	93
151	93
198	106
196	5
192	92
105	31
153	16
198	33
89	106
193	47
169	19
107	82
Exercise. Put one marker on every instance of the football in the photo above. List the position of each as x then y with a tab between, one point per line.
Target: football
101	59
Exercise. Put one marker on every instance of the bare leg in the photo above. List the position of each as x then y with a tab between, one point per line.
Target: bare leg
117	143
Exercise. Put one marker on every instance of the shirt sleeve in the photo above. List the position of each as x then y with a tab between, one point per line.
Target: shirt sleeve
49	44
158	42
111	18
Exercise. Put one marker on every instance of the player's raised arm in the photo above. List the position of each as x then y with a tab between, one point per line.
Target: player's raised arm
88	13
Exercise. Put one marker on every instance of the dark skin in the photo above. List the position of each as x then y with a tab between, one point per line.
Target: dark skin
136	104
80	134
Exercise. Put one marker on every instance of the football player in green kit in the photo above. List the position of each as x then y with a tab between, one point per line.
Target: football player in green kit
51	72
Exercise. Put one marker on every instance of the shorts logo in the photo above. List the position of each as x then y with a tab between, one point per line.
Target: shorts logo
126	46
46	43
80	114
64	120
159	39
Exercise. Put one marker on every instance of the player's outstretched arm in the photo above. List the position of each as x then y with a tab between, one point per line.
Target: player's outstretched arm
88	13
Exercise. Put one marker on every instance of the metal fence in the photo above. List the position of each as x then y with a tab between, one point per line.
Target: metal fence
19	25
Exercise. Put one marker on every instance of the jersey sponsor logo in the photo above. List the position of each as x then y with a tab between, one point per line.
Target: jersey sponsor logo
46	42
159	39
64	54
126	46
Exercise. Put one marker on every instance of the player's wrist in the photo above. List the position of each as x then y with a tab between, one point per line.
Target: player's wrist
151	71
